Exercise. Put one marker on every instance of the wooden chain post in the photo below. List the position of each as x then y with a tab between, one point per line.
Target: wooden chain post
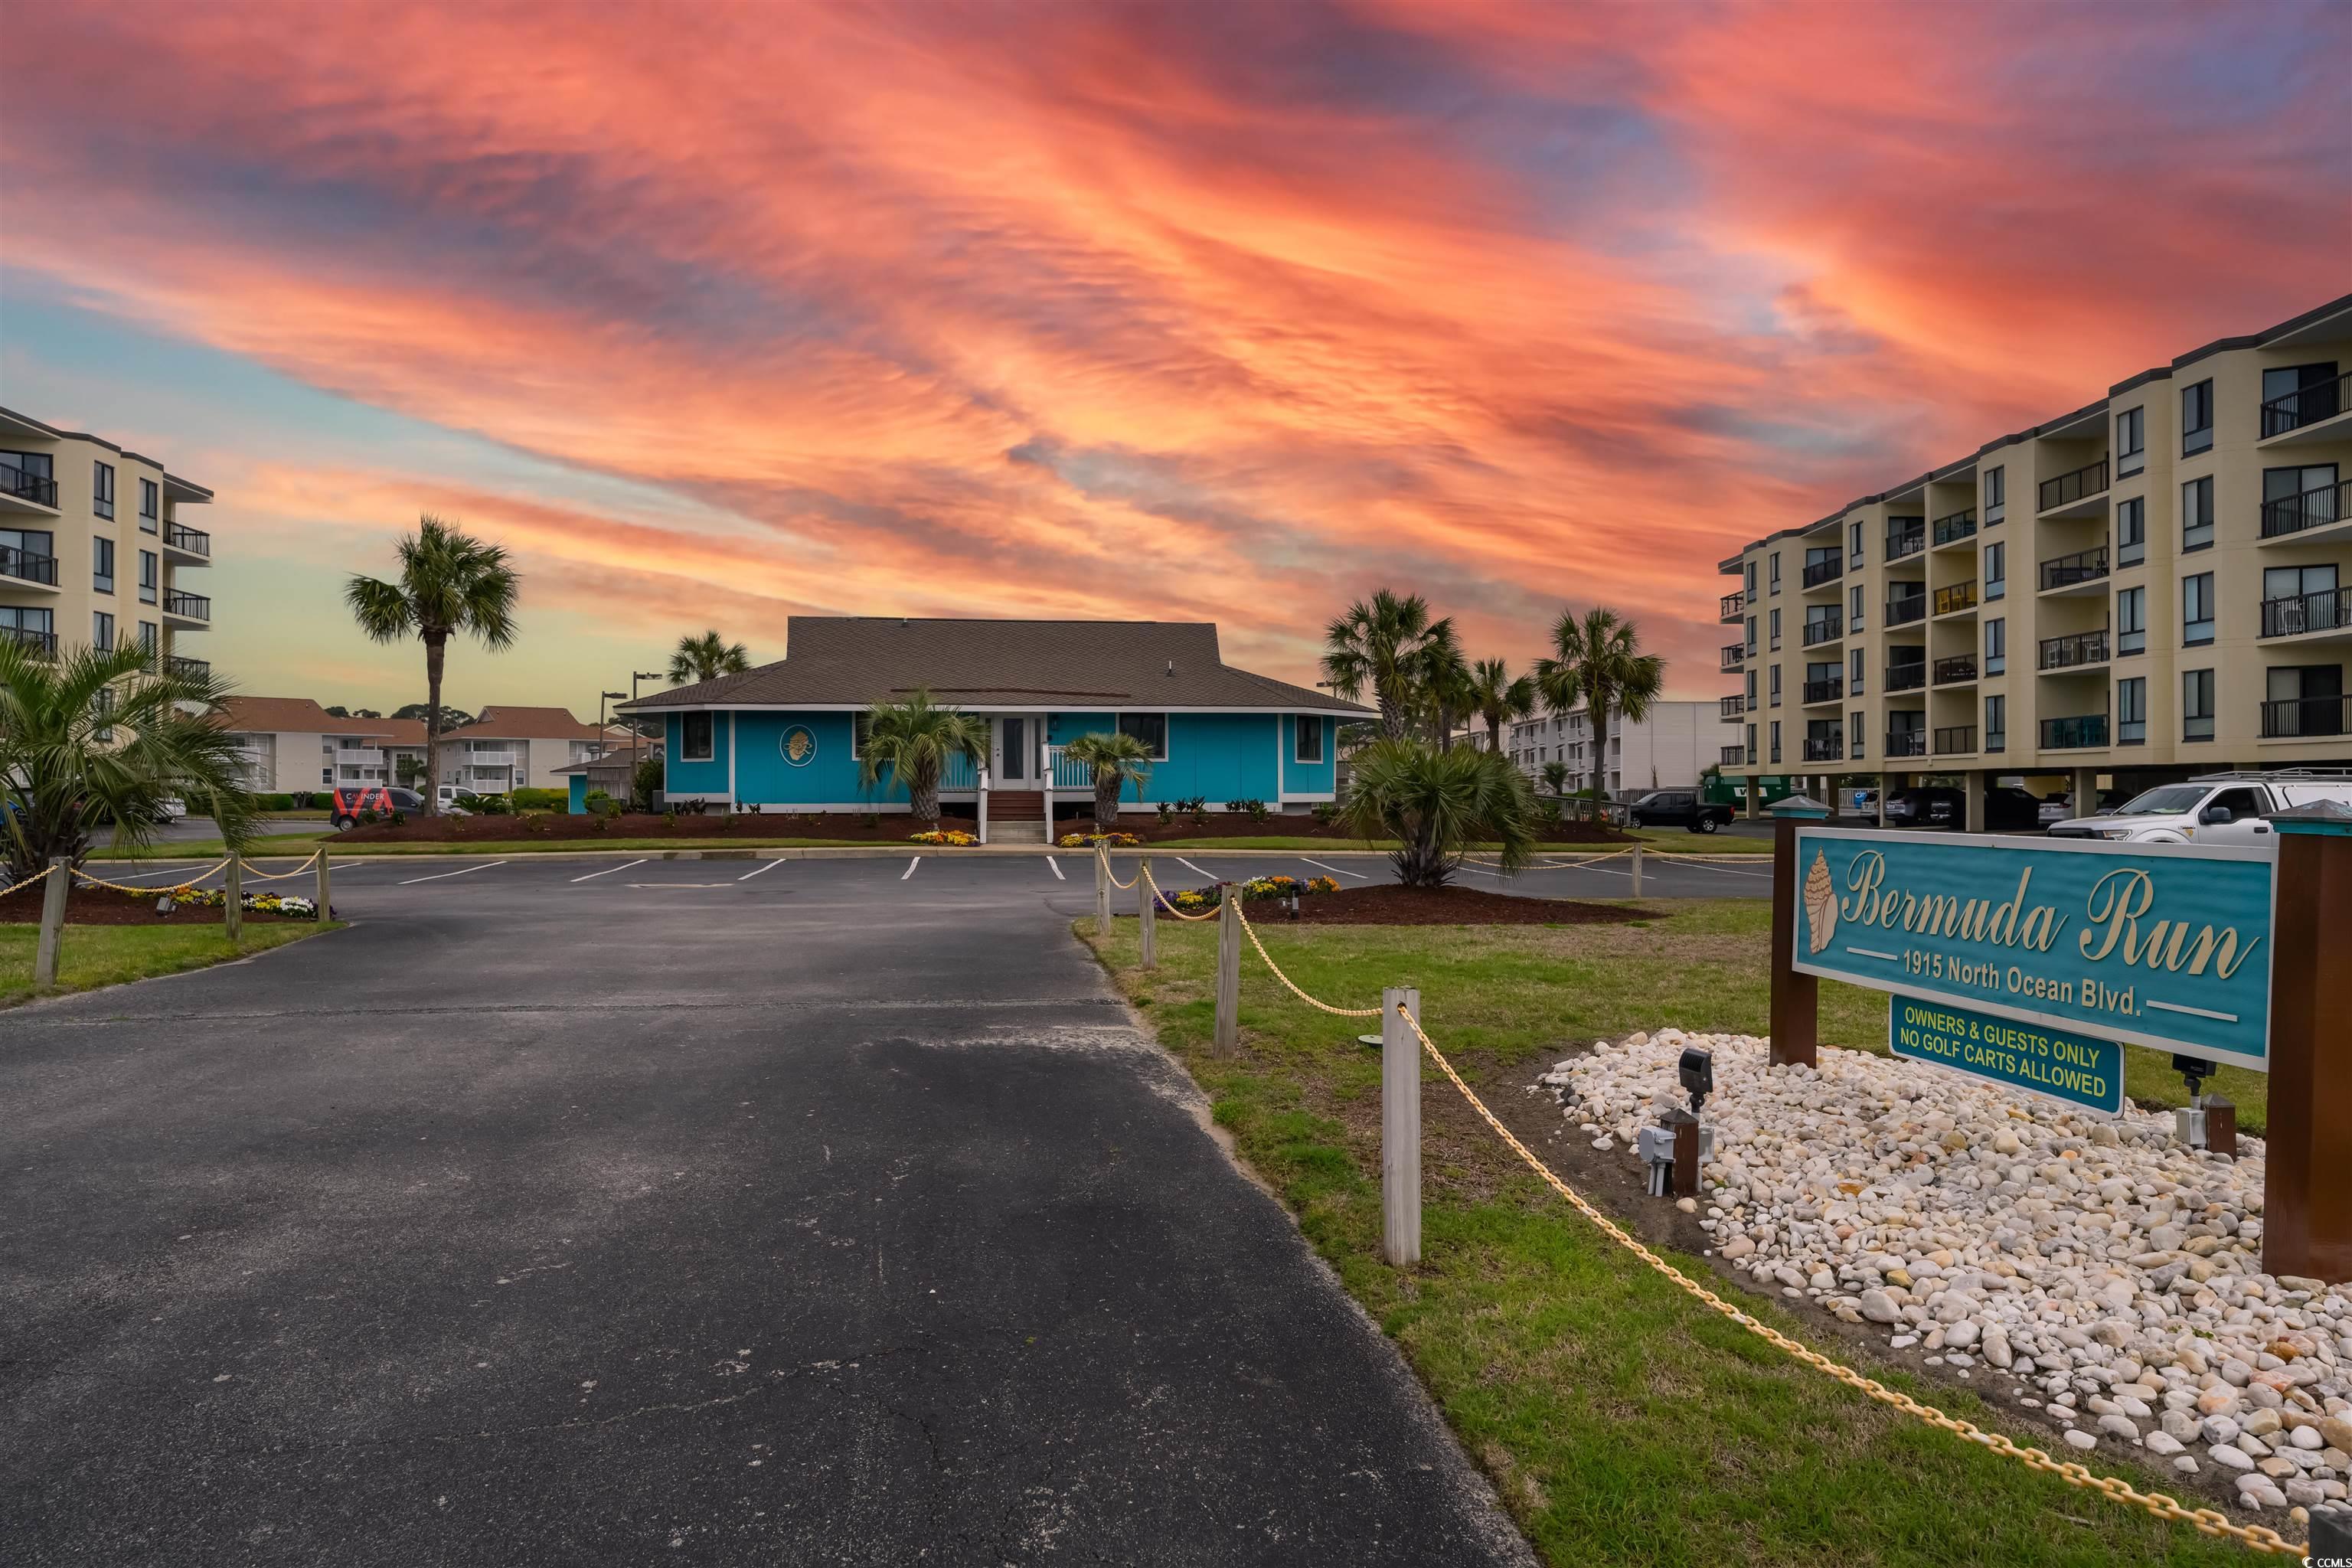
233	897
1400	1128
322	885
1228	1041
1637	870
1102	891
53	923
1796	998
1146	911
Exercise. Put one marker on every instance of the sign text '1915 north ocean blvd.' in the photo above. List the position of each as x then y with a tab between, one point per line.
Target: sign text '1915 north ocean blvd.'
2166	945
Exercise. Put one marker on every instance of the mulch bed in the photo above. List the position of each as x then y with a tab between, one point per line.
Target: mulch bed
890	829
88	906
1146	824
1395	906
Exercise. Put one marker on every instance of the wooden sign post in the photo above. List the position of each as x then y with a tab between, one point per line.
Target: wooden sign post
1796	996
2307	1183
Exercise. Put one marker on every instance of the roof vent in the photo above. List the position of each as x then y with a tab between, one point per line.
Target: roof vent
1171	669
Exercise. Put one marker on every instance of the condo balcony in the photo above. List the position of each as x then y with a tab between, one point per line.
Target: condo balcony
1734	707
1826	571
1959	596
1902	610
188	668
2063	573
188	606
1903	541
194	543
1956	739
1958	671
1906	743
44	644
1825	749
1735	756
2075	493
1734	606
27	489
2328	610
1951	530
2079	734
1733	655
2306	717
2322	507
23	566
1909	676
1824	628
2312	412
2075	652
1830	690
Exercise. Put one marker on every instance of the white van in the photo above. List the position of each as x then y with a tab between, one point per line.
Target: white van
2219	809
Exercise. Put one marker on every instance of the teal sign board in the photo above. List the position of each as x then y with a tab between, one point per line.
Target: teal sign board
2007	1051
2166	945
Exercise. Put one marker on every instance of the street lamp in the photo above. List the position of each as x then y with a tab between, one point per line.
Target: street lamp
636	736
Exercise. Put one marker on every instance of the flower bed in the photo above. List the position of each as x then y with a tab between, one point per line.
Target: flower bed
1094	840
1192	901
285	906
944	837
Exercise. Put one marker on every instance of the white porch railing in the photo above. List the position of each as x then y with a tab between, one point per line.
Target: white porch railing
959	774
1065	773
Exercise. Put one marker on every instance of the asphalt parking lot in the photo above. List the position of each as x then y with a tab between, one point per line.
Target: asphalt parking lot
595	1211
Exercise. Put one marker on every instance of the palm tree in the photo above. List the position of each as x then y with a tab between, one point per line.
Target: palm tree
707	658
450	583
1114	757
1383	645
1499	697
1556	777
88	739
1448	690
1436	802
915	739
1598	662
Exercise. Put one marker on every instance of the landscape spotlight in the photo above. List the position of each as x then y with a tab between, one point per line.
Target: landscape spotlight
1698	1076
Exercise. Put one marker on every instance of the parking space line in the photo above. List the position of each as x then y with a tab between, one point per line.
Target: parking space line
1053	867
458	872
143	875
1194	869
1341	869
911	868
606	871
769	866
1730	871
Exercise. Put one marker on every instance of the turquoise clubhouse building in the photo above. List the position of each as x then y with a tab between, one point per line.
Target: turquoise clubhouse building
783	738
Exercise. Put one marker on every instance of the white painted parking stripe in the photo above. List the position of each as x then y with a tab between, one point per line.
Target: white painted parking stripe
1055	868
606	871
1341	869
911	868
168	871
769	866
1194	869
460	872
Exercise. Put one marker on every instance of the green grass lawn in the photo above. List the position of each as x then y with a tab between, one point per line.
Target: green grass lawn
1683	841
89	957
1623	1422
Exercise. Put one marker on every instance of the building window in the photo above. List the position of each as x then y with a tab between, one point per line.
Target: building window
1853	675
1751	636
150	500
1856	723
1996	495
1752	745
2197	705
1308	738
2131	442
2197	514
101	489
1776	739
101	631
1752	703
1151	729
2131	531
1854	546
105	732
101	565
1996	571
698	738
1853	608
1996	724
1750	571
1996	645
149	572
2197	610
2131	711
147	637
1776	628
2196	418
1775	572
2131	621
1776	688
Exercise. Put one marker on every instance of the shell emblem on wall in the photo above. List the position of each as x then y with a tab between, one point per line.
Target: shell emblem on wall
1820	905
799	745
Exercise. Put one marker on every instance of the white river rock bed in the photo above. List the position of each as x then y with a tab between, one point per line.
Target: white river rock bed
2109	1277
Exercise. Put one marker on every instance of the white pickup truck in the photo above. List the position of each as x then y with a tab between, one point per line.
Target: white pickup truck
2221	808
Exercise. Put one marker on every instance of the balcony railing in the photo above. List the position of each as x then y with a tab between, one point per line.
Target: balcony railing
2074	734
2312	508
1910	607
1959	526
1733	707
1826	571
1824	748
1906	743
39	489
1828	629
1734	606
1733	655
1828	690
1909	677
1735	756
26	566
2071	652
1956	739
188	668
195	540
2306	406
1958	596
2083	566
42	643
2327	610
189	607
1903	541
2067	489
1957	668
2304	718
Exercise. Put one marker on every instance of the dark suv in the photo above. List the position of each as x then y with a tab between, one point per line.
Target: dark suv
380	799
1677	808
2008	809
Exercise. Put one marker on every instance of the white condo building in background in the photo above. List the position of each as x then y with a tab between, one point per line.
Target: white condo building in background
1666	748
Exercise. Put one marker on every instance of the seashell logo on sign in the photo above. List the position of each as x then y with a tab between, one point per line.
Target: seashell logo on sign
799	745
1821	904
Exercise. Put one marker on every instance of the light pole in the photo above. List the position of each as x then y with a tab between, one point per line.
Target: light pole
636	736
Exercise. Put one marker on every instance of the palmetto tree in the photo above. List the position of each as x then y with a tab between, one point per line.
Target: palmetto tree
1448	690
1598	660
915	740
1436	802
1116	757
450	583
1499	697
705	657
1555	776
1383	647
89	742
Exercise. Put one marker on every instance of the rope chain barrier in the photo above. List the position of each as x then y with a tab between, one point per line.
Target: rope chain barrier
2206	1520
156	888
304	867
1104	856
1169	906
27	881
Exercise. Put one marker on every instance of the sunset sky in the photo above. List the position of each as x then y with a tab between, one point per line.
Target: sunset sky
716	314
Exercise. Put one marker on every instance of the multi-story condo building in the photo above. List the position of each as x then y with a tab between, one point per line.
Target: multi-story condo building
292	744
1667	748
2145	588
92	549
520	747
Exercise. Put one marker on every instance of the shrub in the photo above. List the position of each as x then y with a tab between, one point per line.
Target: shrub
532	821
1252	808
1327	811
600	803
399	817
1166	814
669	818
484	805
276	802
871	819
1195	810
538	799
367	817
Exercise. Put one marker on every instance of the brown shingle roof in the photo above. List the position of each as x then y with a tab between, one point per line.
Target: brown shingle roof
837	661
526	724
299	715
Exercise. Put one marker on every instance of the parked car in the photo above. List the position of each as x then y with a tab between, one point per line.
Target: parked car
1928	806
2009	809
2220	808
346	804
1864	802
1677	808
2060	808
